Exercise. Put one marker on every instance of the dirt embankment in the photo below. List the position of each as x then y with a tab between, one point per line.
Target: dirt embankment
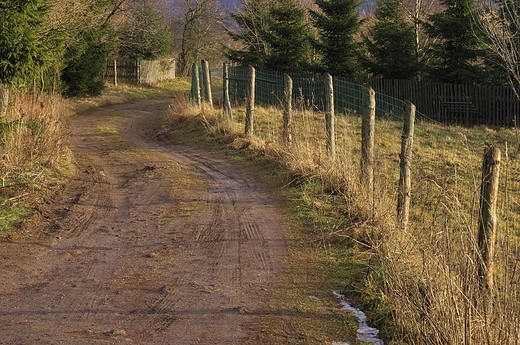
148	244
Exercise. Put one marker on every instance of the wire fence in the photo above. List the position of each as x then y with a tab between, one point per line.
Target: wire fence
434	264
308	92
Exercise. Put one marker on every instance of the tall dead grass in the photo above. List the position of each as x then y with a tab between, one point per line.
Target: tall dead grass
426	275
33	138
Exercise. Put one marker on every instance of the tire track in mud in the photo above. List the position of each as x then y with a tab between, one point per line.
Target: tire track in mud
130	265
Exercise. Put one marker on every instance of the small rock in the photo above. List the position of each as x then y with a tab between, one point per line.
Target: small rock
242	310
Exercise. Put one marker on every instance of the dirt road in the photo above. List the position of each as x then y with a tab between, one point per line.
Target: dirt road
149	244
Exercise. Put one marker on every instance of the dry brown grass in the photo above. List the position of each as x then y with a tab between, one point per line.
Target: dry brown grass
426	276
34	155
34	133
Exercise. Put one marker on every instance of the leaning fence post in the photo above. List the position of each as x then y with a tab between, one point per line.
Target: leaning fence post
225	87
487	214
368	116
250	101
405	178
329	115
206	78
287	113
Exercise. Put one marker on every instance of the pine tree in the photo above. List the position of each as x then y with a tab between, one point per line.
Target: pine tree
252	24
337	25
288	37
457	56
391	47
23	51
146	36
85	60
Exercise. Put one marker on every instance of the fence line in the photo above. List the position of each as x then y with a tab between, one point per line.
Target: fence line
434	232
446	103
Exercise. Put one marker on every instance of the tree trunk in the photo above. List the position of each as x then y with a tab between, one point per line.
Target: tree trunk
225	86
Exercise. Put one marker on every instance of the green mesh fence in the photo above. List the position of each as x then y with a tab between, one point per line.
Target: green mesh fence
308	91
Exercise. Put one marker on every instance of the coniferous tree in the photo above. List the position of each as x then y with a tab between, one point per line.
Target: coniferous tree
86	61
391	48
457	56
252	24
288	37
146	36
23	51
337	25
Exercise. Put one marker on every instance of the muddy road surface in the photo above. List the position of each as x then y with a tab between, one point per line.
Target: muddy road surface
150	243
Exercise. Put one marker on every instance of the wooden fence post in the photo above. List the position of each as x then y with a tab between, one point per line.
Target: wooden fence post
4	100
487	215
405	179
138	69
195	85
250	101
206	78
115	72
225	87
287	113
329	115
368	118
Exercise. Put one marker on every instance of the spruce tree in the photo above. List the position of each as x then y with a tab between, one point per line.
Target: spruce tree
391	47
146	36
337	25
457	55
22	51
85	60
252	22
288	37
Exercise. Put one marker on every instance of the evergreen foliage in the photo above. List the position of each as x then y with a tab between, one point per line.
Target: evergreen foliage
288	37
23	52
337	25
391	46
457	56
146	36
86	61
252	24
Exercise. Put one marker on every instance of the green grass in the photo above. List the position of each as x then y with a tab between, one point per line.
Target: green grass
11	215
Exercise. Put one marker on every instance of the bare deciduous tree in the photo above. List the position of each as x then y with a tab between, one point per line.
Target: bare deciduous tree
500	21
201	26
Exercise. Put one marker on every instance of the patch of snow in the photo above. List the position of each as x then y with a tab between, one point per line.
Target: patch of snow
364	332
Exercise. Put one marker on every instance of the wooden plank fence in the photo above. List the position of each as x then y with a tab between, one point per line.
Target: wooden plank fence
494	105
139	71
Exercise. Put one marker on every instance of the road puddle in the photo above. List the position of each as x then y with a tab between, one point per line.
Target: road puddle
364	332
